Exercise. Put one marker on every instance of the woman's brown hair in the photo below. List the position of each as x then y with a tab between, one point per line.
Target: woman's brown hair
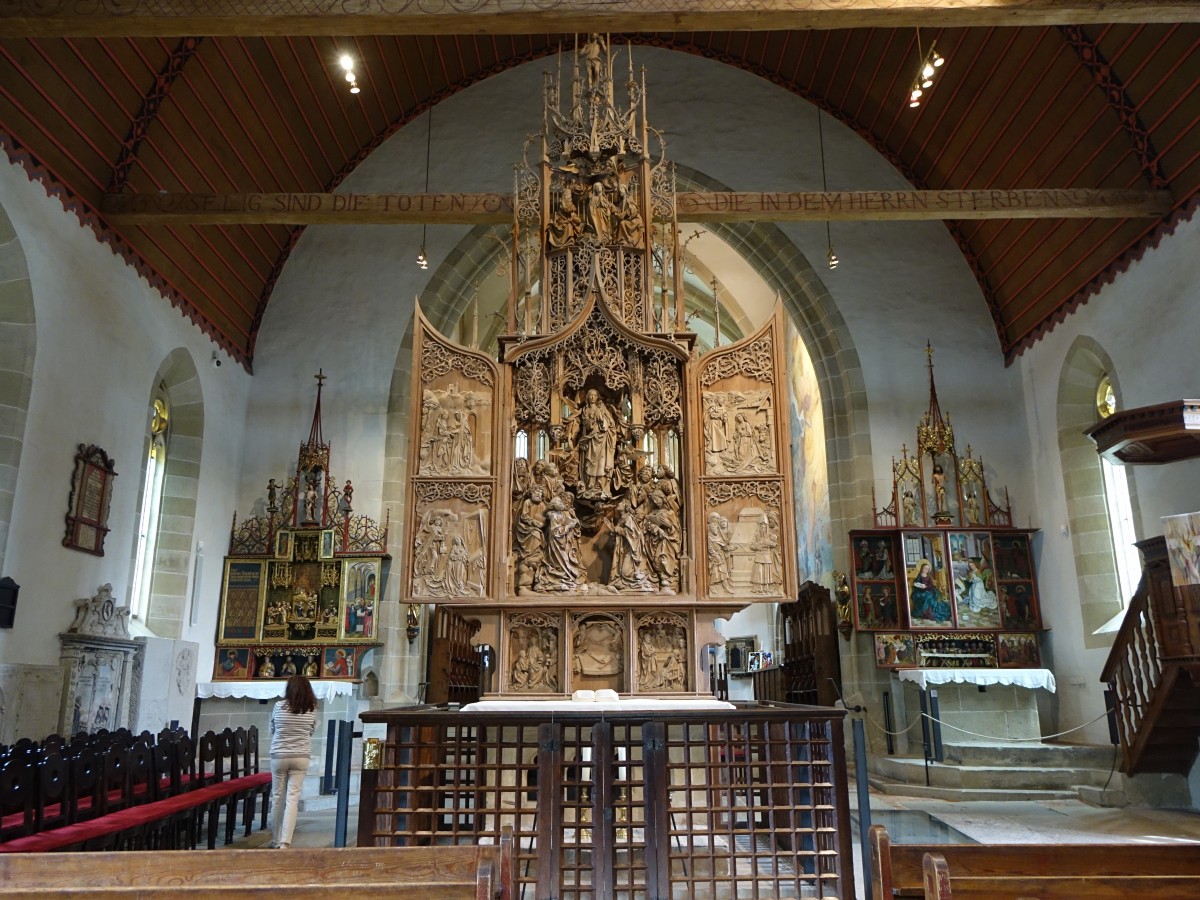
299	695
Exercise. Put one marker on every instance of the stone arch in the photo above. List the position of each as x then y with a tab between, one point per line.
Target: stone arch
810	306
18	338
179	379
1085	364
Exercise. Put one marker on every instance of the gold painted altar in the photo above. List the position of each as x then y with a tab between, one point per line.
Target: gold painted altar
303	582
600	493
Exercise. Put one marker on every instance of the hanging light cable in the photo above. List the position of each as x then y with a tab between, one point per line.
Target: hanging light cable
830	256
422	259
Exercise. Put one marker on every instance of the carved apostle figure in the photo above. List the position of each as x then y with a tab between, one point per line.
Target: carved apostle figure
720	550
596	649
562	570
629	571
597	446
716	439
566	224
766	572
664	543
530	537
631	230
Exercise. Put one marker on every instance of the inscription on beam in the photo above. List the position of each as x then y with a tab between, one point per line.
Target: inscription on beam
866	205
310	208
743	206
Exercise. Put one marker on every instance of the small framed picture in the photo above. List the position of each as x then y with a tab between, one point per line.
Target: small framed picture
737	653
326	551
283	545
756	661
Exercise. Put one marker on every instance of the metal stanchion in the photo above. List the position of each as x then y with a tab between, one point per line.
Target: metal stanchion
864	801
345	741
328	786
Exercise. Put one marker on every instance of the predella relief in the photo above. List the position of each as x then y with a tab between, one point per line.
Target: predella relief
597	505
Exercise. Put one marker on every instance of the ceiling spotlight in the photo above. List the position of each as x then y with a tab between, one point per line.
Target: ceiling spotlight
350	77
346	62
931	62
831	258
354	87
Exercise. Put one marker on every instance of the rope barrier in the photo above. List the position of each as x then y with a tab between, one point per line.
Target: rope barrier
989	737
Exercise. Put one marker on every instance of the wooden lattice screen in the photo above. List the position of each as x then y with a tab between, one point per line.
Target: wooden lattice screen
726	803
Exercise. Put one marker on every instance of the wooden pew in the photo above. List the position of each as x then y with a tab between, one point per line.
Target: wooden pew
941	884
897	870
431	873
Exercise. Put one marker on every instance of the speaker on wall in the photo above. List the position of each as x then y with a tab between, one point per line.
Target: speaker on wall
8	601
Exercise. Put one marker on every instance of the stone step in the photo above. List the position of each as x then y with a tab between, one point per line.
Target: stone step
1000	778
934	792
977	753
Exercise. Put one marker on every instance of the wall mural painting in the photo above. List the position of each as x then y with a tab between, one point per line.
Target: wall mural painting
810	473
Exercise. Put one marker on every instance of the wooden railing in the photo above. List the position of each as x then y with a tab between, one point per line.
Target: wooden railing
625	803
1154	664
1134	671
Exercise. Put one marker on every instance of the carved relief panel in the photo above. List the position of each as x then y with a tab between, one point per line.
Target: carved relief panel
662	652
748	529
599	651
533	664
451	546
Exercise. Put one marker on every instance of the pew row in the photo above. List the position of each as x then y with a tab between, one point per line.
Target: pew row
471	872
941	884
1010	870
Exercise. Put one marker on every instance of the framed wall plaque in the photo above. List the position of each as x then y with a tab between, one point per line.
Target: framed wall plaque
91	494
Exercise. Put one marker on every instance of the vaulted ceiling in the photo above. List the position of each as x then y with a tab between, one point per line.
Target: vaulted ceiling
1103	105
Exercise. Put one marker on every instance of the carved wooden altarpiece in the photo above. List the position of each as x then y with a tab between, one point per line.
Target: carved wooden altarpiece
602	493
303	582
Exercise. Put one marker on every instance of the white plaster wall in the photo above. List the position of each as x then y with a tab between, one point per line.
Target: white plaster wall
1147	321
102	333
345	298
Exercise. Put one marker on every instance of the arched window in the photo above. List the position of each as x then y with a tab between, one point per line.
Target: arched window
1101	500
521	445
1118	503
152	491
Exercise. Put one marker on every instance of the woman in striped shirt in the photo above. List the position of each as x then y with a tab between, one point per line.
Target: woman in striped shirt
293	722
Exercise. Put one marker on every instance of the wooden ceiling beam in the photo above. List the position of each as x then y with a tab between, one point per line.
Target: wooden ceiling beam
147	18
745	206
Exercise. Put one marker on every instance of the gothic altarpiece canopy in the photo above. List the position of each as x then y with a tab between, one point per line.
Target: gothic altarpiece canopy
601	493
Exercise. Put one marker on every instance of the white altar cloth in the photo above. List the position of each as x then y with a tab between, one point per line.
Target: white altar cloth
267	690
1026	678
633	704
